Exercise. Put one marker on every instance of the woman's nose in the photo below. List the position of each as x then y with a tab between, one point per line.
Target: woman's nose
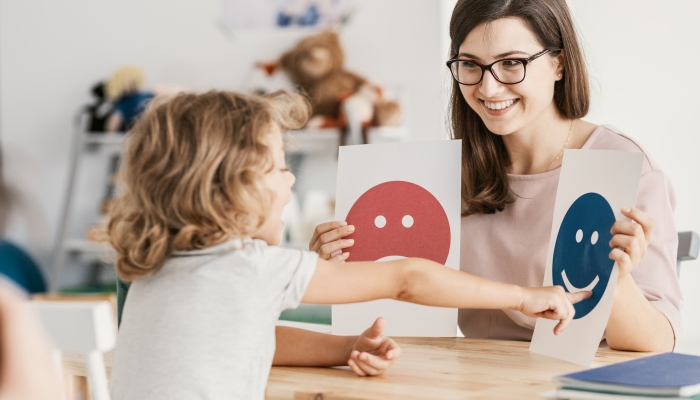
489	86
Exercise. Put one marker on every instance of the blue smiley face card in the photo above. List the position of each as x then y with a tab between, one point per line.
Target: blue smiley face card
593	187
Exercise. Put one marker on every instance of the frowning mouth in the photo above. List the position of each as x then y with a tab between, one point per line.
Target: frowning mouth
573	289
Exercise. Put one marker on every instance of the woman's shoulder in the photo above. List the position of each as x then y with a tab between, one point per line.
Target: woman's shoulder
609	137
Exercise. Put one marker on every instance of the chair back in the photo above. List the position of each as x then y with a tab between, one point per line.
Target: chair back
688	248
86	327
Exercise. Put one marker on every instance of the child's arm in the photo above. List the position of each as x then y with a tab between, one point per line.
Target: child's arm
371	353
429	283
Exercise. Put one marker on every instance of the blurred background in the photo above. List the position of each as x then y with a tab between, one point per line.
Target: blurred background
58	176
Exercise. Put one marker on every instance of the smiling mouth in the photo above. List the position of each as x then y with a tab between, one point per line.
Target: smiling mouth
500	105
573	289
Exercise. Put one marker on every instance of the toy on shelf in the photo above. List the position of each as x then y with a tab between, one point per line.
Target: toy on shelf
315	67
99	111
126	89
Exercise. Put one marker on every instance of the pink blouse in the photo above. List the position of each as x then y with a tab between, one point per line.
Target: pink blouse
511	246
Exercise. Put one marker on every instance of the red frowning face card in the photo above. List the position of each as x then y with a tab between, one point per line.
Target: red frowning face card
398	218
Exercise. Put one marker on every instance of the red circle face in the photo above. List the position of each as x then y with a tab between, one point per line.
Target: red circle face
398	219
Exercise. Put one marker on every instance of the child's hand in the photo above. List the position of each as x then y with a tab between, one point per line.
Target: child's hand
373	353
551	302
328	238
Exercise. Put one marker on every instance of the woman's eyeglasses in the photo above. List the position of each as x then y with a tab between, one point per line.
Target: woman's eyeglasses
508	71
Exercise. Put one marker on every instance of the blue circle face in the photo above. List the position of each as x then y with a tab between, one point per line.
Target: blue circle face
581	251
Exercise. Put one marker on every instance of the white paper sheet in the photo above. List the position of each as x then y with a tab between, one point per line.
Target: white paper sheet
404	201
593	186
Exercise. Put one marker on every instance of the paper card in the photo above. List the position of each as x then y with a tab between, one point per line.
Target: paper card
404	200
593	186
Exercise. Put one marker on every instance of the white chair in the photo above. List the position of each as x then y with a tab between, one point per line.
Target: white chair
85	327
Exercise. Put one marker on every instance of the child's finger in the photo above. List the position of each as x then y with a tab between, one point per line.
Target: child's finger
376	362
366	368
323	228
357	370
375	331
578	296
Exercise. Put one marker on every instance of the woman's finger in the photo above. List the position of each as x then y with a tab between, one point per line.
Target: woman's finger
327	250
642	218
629	228
323	228
336	234
340	257
624	242
623	260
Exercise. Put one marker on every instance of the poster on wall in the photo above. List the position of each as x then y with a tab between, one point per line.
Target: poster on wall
404	200
281	14
593	187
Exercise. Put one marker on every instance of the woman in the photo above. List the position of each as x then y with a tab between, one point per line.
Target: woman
520	89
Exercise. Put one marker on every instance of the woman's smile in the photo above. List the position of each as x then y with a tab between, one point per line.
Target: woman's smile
498	107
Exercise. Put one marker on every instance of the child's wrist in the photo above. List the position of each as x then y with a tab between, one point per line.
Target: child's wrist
518	299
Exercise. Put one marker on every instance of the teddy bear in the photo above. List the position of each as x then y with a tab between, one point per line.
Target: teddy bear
315	65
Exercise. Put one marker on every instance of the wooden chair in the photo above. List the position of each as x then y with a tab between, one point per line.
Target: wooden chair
86	327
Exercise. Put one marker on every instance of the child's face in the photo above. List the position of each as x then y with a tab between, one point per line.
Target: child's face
280	180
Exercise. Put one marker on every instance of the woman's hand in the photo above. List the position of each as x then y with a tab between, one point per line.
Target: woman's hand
551	302
328	238
372	352
630	240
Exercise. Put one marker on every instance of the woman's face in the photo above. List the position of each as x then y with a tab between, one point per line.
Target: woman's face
506	109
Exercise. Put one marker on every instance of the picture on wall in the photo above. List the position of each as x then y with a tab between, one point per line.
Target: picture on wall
283	14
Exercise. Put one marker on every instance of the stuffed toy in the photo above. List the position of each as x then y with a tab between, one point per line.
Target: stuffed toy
315	65
125	89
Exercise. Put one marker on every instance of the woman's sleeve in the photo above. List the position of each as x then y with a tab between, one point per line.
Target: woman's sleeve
656	273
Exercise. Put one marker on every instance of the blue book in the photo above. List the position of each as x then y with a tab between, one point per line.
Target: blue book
667	374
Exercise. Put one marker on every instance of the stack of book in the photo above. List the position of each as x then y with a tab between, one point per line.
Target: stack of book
663	376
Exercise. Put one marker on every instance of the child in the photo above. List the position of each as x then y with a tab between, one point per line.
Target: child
196	229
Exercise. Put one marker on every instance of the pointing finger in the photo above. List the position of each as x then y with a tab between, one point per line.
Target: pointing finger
578	296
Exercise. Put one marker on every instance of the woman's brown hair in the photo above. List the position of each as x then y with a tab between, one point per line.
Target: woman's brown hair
192	174
485	188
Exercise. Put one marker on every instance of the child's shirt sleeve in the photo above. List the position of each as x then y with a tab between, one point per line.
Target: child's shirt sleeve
288	273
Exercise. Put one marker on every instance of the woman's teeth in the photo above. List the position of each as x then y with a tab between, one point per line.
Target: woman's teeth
500	105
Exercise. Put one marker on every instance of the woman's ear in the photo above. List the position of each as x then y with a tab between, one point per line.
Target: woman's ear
559	62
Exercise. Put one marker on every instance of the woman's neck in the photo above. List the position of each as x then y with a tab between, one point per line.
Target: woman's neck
534	149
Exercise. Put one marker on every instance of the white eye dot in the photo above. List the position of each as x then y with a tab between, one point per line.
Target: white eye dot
407	221
579	236
594	237
380	221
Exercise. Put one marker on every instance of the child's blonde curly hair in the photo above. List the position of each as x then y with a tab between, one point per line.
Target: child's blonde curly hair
192	175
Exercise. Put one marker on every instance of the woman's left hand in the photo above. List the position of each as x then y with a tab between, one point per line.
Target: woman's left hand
630	240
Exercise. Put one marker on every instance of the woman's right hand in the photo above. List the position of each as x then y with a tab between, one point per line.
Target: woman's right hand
329	238
551	302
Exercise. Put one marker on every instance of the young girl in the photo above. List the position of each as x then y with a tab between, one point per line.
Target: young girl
520	89
196	230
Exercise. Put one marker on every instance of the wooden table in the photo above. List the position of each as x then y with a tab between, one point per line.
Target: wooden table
430	368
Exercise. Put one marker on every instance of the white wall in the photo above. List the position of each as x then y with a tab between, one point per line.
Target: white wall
52	52
642	57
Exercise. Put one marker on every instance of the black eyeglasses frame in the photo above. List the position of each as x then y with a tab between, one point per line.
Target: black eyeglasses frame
484	68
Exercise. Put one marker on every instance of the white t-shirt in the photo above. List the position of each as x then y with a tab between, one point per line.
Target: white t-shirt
203	326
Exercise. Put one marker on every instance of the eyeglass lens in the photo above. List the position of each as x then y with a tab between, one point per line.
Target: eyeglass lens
505	71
